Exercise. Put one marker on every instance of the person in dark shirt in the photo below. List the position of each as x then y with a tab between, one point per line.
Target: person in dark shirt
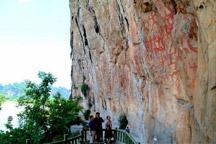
92	129
108	130
98	125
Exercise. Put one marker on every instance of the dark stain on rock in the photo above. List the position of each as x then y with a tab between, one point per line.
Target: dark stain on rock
127	22
213	88
202	5
85	36
144	7
174	5
148	6
97	28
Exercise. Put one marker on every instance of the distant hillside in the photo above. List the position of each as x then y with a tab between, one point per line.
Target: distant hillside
14	90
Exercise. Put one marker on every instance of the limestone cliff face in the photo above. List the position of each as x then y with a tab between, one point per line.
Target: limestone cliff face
154	60
204	98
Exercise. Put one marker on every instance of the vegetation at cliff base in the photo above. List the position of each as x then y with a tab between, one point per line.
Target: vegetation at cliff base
86	114
44	117
123	121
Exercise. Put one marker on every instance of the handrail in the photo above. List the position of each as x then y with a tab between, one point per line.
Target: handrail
119	135
123	136
74	140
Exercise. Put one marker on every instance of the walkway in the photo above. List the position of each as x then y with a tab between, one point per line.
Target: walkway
121	137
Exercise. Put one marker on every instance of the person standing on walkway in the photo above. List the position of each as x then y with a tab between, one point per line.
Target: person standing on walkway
98	124
92	129
108	130
127	129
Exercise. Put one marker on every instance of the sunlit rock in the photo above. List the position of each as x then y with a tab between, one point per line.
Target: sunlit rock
154	60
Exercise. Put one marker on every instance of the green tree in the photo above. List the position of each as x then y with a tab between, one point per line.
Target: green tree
63	113
12	135
34	118
43	117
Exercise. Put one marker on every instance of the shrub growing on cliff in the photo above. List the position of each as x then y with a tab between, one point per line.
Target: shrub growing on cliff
86	114
122	121
84	89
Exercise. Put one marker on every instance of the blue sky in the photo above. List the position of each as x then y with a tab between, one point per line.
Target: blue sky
34	35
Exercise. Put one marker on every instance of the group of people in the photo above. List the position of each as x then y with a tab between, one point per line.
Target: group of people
96	128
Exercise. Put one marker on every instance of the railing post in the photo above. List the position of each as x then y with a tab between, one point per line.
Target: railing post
82	137
121	136
127	140
28	141
66	138
85	138
115	134
124	137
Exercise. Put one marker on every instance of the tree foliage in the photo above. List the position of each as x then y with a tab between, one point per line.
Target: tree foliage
2	99
44	117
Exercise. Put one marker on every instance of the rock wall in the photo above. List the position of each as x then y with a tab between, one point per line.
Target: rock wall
153	60
204	120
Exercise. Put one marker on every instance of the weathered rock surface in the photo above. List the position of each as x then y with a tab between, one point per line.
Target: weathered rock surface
154	60
204	98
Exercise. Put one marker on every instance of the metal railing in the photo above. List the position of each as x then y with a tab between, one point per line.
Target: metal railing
124	137
73	140
119	136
